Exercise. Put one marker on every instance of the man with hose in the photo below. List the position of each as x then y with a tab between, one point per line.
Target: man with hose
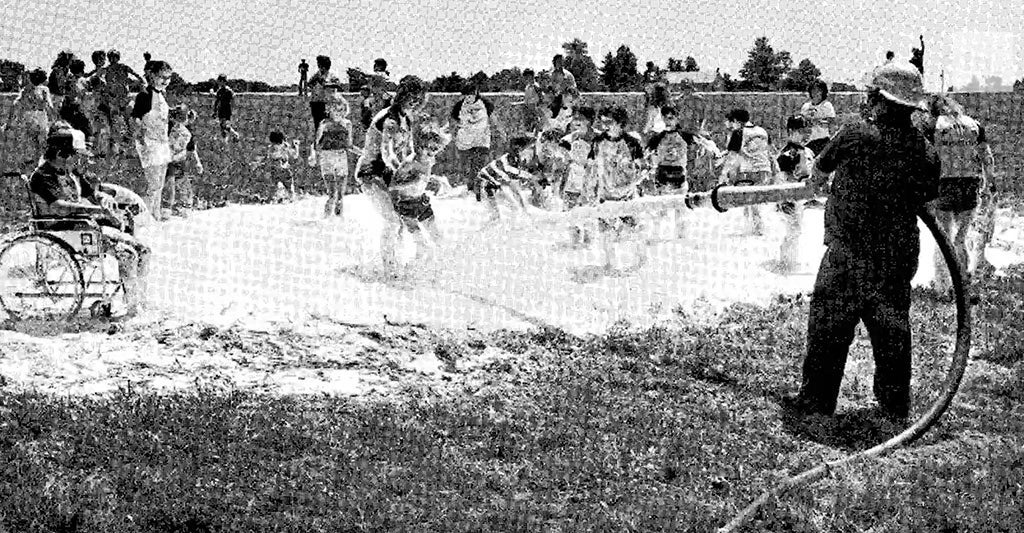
883	172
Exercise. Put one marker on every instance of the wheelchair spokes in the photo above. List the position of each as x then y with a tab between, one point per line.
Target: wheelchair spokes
39	278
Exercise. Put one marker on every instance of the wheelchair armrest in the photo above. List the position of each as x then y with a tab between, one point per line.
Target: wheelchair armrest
64	224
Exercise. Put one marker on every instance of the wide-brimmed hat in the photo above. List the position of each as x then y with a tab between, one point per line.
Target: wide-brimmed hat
899	83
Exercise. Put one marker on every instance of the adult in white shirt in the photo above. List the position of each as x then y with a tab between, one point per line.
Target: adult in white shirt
820	113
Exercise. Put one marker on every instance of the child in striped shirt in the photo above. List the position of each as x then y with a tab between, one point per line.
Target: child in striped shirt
504	174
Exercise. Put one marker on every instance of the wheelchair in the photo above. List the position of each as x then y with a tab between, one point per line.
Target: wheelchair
55	264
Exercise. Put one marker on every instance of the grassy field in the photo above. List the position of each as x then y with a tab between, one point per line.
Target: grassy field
671	428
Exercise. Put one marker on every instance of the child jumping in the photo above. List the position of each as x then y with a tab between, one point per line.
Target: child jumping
333	143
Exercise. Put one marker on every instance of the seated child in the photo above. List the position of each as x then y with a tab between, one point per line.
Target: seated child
61	192
505	173
616	155
178	194
794	163
409	188
333	142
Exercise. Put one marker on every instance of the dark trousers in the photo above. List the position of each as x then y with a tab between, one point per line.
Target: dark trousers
873	287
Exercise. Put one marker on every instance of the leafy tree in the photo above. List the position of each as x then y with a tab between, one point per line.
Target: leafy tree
452	83
691	64
841	87
178	85
973	86
675	65
1018	86
509	79
581	65
10	73
480	79
765	67
800	78
619	72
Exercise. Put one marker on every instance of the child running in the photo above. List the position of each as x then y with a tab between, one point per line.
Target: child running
794	162
408	192
616	156
333	143
504	174
553	163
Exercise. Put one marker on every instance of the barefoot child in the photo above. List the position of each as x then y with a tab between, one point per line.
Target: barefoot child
505	173
617	156
178	192
277	164
748	161
222	105
408	192
579	177
553	162
333	143
794	163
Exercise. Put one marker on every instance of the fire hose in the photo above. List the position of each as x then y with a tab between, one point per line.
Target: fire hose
723	198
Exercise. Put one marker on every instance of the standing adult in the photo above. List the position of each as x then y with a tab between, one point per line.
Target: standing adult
560	81
885	171
472	119
388	144
820	113
966	162
917	57
303	73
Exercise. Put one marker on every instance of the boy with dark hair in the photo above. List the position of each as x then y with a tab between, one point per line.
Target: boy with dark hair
222	105
531	103
504	173
317	90
794	163
748	160
117	76
617	156
408	192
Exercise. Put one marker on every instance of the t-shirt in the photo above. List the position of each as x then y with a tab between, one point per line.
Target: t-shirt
334	135
411	179
883	173
795	162
816	112
224	98
752	144
152	109
615	165
116	76
502	170
958	141
182	142
561	81
303	69
671	147
579	146
388	126
473	116
318	86
531	95
51	184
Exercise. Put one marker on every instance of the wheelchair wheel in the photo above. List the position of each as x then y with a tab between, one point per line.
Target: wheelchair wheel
40	279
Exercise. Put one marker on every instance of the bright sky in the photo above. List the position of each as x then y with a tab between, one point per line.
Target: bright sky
264	39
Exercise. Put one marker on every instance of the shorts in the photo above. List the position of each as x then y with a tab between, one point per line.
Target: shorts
412	210
670	177
333	162
319	112
153	154
958	194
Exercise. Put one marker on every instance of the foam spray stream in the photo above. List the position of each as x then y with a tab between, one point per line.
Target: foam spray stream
723	198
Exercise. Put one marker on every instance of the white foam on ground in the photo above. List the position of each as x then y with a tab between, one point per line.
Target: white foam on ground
286	262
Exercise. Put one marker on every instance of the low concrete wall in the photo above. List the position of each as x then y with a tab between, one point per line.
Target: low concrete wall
256	115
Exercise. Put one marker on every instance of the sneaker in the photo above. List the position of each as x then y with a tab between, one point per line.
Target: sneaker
795	404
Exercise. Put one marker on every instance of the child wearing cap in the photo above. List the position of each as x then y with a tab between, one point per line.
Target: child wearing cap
795	162
222	105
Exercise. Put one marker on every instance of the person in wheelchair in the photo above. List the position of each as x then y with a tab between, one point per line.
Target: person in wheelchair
58	191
